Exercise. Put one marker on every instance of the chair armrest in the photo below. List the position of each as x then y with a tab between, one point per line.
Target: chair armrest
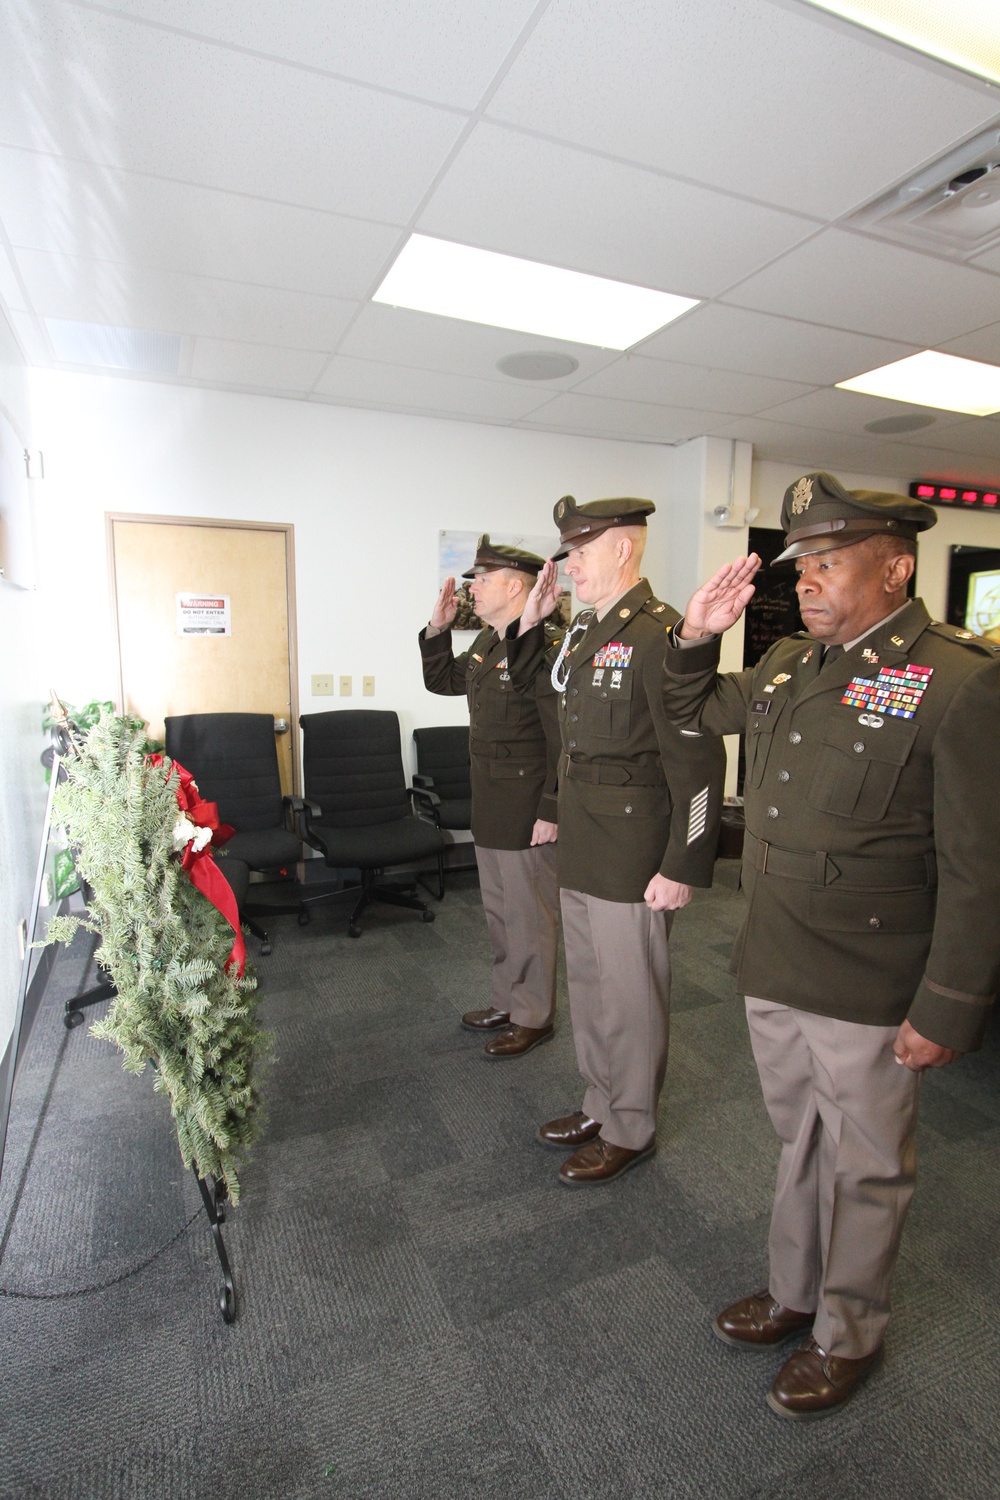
425	782
301	812
427	803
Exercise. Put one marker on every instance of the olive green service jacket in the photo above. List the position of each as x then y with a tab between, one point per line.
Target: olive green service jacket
637	796
872	857
513	737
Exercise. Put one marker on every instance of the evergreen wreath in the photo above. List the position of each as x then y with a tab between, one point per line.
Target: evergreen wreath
179	1004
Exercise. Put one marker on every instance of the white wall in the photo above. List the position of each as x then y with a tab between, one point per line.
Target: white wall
22	788
367	493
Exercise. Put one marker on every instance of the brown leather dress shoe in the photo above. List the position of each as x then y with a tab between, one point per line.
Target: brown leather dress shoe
515	1041
813	1383
485	1020
600	1161
759	1322
569	1131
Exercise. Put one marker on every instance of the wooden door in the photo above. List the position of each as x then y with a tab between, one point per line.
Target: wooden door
245	662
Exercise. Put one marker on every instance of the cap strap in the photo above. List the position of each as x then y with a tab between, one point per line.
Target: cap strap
874	524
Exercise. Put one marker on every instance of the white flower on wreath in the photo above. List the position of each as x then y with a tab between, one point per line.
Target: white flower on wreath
185	832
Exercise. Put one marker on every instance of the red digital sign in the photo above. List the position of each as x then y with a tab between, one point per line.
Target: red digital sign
953	494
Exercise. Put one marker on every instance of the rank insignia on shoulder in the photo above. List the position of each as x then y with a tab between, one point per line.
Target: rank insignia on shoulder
896	691
964	635
783	677
658	609
614	654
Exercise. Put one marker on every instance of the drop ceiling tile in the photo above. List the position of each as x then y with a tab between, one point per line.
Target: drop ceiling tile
984	344
764	99
97	88
362	382
227	362
64	286
978	438
396	335
596	416
634	378
849	411
78	209
447	52
734	338
848	281
811	448
510	192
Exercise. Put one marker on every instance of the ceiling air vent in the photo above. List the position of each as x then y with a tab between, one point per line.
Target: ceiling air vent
114	348
950	208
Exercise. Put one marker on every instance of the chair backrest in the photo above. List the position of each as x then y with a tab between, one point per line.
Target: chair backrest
353	767
233	759
443	754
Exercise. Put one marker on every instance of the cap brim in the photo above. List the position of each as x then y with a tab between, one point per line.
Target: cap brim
808	545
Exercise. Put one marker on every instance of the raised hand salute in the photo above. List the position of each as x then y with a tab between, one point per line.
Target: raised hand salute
445	608
543	597
720	602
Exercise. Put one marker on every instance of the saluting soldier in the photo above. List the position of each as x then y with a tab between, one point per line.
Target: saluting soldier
872	881
639	804
513	796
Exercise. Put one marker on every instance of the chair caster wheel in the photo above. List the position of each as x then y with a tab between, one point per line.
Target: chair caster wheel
265	949
303	918
428	916
353	930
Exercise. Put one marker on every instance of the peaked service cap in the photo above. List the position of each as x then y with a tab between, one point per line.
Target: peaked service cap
492	555
581	523
818	514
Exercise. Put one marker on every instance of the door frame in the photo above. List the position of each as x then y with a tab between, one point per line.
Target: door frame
225	523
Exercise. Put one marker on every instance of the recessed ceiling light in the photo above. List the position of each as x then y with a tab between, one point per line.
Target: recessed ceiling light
537	365
963	32
929	379
480	286
887	425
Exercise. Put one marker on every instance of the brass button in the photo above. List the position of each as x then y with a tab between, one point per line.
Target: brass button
573	692
772	812
874	921
604	694
628	807
520	773
859	747
574	717
782	775
795	738
572	744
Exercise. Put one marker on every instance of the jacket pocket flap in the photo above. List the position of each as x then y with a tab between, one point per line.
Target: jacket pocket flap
871	911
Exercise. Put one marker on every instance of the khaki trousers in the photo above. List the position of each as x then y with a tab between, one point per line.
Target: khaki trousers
618	967
846	1114
521	901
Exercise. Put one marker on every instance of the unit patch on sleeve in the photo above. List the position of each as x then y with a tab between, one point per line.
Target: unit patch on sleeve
614	654
896	690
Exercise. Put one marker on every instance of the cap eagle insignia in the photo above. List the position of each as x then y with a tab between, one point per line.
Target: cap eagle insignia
801	496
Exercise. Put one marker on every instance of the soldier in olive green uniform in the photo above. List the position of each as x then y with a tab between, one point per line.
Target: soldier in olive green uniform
871	874
639	806
514	746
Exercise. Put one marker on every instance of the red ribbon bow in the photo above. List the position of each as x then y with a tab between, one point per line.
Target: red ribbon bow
200	865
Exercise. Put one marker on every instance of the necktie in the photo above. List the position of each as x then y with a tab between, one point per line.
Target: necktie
831	653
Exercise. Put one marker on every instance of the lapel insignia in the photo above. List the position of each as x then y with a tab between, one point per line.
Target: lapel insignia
896	691
870	656
614	654
476	657
897	640
782	677
801	496
805	659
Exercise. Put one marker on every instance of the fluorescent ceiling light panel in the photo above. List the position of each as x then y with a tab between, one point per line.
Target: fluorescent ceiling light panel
940	380
962	32
480	286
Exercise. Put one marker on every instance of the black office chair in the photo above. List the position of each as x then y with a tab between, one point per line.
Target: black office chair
442	785
357	810
233	759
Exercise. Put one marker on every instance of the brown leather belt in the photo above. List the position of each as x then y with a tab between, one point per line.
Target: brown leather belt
502	749
918	872
607	773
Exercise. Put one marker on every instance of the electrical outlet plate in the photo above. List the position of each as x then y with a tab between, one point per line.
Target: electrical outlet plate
345	687
368	687
322	685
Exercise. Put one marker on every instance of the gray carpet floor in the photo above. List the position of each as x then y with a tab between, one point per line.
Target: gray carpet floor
423	1310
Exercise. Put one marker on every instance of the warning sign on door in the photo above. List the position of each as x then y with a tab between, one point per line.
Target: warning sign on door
203	614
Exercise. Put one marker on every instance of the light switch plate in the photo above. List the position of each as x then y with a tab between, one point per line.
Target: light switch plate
322	685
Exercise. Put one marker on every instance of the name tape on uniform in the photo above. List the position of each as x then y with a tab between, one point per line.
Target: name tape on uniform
896	690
